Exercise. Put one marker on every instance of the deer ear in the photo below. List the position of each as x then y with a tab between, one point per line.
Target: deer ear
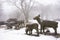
38	15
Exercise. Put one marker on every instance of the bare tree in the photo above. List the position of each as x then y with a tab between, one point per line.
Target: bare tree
24	6
1	14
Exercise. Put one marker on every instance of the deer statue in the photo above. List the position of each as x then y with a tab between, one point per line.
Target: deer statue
46	23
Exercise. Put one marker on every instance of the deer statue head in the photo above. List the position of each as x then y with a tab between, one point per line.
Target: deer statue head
36	17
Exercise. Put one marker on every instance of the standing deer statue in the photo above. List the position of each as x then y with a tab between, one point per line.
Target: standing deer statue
46	23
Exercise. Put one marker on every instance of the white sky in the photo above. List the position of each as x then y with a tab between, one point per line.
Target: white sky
46	2
9	8
6	6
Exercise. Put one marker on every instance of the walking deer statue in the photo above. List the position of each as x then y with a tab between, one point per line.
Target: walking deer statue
30	27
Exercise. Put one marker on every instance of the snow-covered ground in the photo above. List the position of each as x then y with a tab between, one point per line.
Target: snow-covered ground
12	34
20	35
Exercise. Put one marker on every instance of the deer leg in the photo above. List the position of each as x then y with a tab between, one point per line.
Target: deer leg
26	31
55	30
43	29
37	32
30	32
